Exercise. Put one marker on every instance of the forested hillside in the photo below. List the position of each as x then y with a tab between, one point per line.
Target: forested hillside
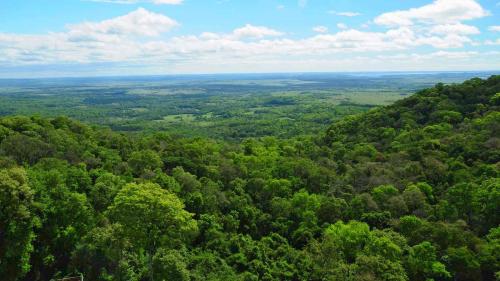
409	191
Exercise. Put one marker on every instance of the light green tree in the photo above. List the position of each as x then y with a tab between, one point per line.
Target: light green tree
152	216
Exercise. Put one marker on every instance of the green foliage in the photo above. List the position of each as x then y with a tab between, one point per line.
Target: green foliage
404	192
352	252
423	263
144	161
349	238
170	265
152	217
17	222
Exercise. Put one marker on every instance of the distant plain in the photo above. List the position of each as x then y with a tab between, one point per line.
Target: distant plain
227	107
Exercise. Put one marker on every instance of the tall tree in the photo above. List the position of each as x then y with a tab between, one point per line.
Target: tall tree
16	224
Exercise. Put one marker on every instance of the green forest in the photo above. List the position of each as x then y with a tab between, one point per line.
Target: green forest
225	107
408	191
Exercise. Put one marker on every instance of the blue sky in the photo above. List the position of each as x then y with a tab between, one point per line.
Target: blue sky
139	37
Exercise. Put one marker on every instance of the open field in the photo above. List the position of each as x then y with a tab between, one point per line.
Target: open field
219	106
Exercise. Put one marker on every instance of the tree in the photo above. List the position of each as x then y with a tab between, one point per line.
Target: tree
152	217
25	149
105	254
369	268
463	264
382	193
349	239
490	254
169	265
16	224
187	181
362	203
460	196
144	161
352	252
486	204
423	263
104	191
65	217
415	199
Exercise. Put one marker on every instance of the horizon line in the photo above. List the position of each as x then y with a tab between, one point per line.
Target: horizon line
416	72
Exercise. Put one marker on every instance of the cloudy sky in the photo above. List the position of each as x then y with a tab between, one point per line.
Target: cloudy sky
40	38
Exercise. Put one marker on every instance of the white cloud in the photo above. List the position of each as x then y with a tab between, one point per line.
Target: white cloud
252	31
446	42
280	7
256	42
452	55
345	14
440	11
320	29
438	24
157	2
456	28
134	39
494	28
140	22
430	56
341	25
492	42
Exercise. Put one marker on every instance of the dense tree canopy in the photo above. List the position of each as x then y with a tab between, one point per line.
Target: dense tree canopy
406	192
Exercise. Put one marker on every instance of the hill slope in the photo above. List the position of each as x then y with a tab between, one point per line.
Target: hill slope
409	191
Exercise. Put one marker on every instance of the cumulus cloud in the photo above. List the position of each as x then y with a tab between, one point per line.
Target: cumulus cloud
320	29
257	42
416	57
492	42
140	22
438	24
440	11
494	28
446	42
341	25
252	31
139	38
456	28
